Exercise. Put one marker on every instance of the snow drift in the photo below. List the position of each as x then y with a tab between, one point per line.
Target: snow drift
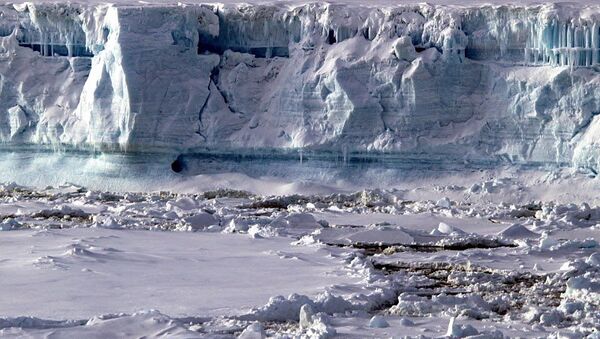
509	83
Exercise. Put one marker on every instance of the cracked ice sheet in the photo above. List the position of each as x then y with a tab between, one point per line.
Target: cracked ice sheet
422	222
79	273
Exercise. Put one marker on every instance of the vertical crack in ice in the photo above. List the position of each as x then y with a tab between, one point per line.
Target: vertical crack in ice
201	125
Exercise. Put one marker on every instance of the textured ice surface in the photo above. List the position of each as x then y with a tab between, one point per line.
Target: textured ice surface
473	83
433	103
370	264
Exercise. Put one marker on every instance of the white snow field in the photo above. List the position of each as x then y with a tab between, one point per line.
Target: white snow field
293	169
87	272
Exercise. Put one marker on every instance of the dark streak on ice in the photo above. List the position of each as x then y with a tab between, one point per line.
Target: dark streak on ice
178	165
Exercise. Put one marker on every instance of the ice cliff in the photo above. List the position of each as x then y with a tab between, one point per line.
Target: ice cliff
512	83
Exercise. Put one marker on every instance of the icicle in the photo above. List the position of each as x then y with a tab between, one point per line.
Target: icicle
536	46
44	45
569	36
563	47
70	45
533	44
555	34
595	44
560	36
541	45
527	52
337	35
587	45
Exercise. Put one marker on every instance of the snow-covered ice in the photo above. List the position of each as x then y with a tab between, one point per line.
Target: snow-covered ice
365	264
86	272
297	169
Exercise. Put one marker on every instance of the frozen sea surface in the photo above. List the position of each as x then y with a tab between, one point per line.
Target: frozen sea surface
432	260
83	272
300	169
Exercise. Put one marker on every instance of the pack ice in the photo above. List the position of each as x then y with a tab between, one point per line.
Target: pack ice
476	83
250	242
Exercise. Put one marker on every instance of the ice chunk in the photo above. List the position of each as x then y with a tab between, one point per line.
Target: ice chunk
183	203
200	220
10	224
306	314
296	220
378	321
111	223
406	322
551	318
594	259
444	228
18	120
237	224
253	331
546	243
444	203
517	231
459	331
404	49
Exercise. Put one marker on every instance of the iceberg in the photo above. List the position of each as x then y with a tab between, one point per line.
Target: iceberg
475	83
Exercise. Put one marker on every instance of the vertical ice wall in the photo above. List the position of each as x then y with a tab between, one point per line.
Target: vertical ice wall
44	64
147	85
509	83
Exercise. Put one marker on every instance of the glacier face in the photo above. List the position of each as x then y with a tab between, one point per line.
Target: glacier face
507	83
